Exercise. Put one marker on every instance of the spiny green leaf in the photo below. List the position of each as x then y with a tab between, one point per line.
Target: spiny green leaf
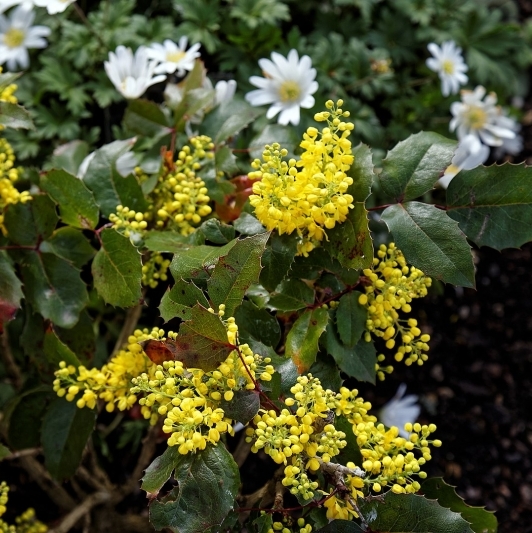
65	430
247	224
69	156
413	166
144	117
362	173
76	202
432	242
350	318
117	270
302	339
165	241
70	244
258	323
276	260
10	289
160	470
208	483
273	133
291	295
243	407
178	301
236	271
493	205
56	351
202	340
217	232
15	116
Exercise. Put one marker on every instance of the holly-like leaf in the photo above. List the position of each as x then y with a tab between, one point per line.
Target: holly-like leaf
117	270
413	166
144	117
302	339
225	161
247	224
80	339
54	288
178	301
291	295
165	241
193	101
411	513
76	202
236	271
350	242
208	483
10	289
480	519
69	156
197	261
432	242
56	351
65	430
217	232
258	323
350	318
276	260
243	407
110	189
70	244
202	340
362	173
493	205
15	116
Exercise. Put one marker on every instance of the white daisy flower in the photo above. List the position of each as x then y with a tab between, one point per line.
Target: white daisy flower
131	75
174	57
225	91
400	410
475	116
289	84
17	35
509	146
449	64
54	6
469	154
6	4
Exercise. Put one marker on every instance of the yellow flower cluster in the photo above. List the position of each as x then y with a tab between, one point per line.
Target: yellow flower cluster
308	195
8	176
111	383
191	398
7	93
155	269
25	523
340	507
287	526
391	286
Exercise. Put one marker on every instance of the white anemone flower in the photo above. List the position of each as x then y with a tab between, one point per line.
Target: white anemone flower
475	116
54	6
400	410
131	75
174	57
225	91
469	154
509	146
17	35
450	66
6	4
289	85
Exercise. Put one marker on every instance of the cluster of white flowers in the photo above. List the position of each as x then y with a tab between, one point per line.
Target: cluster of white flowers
478	121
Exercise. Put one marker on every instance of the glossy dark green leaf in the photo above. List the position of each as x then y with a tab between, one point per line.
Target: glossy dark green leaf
413	166
247	224
432	242
81	339
70	244
243	407
325	369
225	161
69	156
76	203
302	339
276	260
110	189
117	270
217	232
144	117
65	430
160	470
291	295
54	288
263	524
362	173
236	271
197	261
193	101
26	418
258	323
401	513
208	483
202	340
480	519
350	242
350	318
57	351
493	205
10	289
178	301
165	241
341	526
15	116
352	451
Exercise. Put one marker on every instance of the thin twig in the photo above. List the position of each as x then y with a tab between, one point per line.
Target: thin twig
12	368
81	510
241	451
132	318
23	453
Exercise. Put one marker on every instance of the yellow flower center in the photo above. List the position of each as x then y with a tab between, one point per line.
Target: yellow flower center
476	117
448	66
14	37
289	91
175	57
